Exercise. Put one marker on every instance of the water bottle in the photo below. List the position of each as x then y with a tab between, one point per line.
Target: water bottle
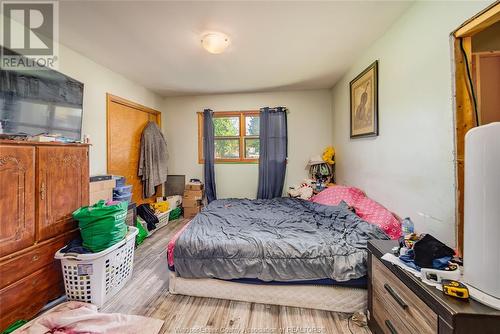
407	226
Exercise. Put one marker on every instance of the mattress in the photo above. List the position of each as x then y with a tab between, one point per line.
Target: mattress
321	297
360	283
282	239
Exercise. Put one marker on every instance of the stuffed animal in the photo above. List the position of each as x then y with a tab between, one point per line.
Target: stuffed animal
303	191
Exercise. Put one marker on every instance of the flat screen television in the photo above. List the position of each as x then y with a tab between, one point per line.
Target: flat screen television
43	101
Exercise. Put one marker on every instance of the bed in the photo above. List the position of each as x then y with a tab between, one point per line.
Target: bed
282	251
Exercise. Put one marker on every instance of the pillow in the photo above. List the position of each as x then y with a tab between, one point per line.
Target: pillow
334	195
374	213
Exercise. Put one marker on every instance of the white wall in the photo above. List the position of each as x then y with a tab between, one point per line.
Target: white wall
99	80
408	168
309	123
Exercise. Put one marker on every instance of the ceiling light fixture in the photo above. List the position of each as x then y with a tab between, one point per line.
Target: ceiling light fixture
215	42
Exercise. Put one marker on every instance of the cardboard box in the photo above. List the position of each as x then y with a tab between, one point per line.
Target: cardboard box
193	194
194	186
190	203
102	185
99	190
191	212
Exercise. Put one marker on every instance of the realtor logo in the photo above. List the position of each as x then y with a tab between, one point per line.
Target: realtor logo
29	29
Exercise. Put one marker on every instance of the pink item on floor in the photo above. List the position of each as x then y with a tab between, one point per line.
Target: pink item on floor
83	318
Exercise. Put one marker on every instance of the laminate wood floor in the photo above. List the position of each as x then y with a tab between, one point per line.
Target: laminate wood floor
147	294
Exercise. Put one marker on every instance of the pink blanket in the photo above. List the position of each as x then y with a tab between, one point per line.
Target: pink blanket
171	245
83	318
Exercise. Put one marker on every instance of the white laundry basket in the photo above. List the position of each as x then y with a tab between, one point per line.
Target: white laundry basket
95	278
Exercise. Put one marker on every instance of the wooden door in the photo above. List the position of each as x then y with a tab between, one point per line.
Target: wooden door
17	198
126	121
486	76
62	187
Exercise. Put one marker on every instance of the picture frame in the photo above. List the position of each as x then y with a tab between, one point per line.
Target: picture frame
363	102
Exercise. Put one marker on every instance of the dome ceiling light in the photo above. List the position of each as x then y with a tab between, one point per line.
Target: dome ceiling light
215	42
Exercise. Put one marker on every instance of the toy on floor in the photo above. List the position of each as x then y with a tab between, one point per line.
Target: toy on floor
303	191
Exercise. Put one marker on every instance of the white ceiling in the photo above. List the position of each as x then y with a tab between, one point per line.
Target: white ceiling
276	45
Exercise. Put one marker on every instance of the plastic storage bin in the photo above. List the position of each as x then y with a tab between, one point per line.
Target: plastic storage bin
122	198
120	180
122	190
95	278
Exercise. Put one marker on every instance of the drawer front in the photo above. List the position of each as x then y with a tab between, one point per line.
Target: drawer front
400	301
387	319
14	269
25	298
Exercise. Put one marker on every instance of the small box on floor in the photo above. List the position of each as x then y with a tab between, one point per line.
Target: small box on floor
100	188
190	203
194	186
191	212
193	194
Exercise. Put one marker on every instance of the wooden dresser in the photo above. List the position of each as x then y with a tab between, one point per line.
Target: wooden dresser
41	184
398	302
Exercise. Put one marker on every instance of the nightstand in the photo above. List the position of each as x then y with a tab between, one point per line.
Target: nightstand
399	302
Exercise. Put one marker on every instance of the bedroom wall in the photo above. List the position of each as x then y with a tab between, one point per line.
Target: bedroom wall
309	123
99	80
409	167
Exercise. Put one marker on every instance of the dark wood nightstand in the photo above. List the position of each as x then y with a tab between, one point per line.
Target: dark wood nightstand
399	302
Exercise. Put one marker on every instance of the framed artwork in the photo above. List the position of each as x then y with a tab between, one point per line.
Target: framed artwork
364	103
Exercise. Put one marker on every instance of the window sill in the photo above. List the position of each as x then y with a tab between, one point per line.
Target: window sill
234	161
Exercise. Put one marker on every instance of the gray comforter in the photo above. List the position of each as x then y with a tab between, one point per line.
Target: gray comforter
282	239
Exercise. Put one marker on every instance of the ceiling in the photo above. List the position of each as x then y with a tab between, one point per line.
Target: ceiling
275	45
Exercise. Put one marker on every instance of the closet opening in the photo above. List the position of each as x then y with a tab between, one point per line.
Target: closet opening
476	53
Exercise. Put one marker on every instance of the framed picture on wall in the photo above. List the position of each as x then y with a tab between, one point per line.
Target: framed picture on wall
364	103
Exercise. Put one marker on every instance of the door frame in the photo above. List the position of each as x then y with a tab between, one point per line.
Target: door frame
155	115
465	118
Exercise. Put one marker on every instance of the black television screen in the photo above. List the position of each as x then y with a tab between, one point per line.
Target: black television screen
34	102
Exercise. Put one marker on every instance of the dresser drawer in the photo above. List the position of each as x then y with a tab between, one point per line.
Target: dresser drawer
387	319
25	298
14	269
394	302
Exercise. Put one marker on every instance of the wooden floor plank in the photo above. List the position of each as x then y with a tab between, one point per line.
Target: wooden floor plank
147	294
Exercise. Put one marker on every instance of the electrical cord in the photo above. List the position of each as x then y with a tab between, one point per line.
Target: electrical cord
349	324
469	77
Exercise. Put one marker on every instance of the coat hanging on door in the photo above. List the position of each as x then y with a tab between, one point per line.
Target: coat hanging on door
153	159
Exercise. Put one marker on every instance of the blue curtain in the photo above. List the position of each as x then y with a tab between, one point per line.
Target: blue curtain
273	152
209	154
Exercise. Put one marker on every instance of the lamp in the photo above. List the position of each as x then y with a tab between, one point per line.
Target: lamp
215	42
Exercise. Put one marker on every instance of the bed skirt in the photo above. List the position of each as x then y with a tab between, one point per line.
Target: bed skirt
321	297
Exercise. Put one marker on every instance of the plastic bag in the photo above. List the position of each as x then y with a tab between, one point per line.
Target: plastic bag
101	225
143	234
174	214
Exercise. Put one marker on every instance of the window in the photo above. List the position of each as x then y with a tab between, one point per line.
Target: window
236	136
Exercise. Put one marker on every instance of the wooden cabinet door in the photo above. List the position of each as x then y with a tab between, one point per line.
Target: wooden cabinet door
17	198
62	187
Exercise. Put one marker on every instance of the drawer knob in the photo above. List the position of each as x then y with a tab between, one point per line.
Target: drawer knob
390	326
35	258
396	297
